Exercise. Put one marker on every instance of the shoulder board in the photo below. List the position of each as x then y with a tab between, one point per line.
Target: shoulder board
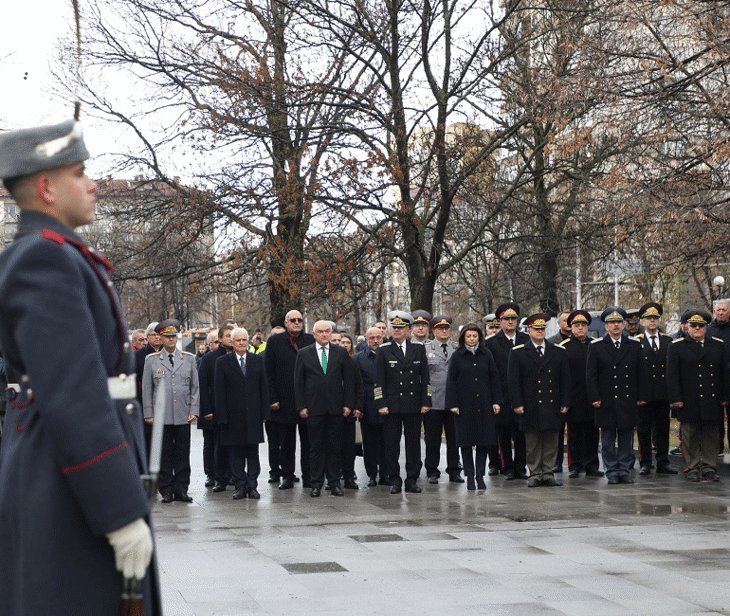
676	340
490	336
596	340
559	346
385	344
640	336
718	339
566	341
519	346
151	355
186	353
665	335
52	235
634	338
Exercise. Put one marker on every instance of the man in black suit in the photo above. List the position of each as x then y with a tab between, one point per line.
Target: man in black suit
698	386
539	389
324	389
617	385
279	358
654	415
241	406
500	345
402	394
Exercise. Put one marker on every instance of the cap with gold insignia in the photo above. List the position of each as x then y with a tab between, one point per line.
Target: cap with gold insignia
169	327
698	317
491	320
400	318
613	314
632	316
508	310
539	320
441	320
29	150
579	316
651	309
421	317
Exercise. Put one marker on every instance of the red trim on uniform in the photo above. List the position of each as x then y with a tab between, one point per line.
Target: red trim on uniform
101	456
52	235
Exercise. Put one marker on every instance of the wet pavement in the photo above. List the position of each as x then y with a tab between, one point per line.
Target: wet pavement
659	546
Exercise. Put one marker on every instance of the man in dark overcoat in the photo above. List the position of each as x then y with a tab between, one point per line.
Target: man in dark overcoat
539	389
73	512
583	435
241	406
373	444
508	431
653	428
280	356
324	390
698	385
617	385
402	394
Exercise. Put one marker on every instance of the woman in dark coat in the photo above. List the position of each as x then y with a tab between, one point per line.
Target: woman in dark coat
472	394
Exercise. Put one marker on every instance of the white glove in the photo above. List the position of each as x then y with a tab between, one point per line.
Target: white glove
132	548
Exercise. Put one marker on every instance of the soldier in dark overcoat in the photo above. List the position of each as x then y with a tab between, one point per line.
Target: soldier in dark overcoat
241	406
500	345
617	385
72	506
539	389
279	358
698	385
653	428
583	435
402	394
473	394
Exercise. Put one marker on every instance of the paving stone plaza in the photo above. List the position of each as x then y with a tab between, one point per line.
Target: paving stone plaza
659	546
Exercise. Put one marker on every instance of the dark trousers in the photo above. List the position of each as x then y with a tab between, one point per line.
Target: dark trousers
583	439
495	460
174	474
348	449
222	463
472	470
245	465
436	422
209	452
373	449
617	451
287	458
409	425
506	434
273	440
325	449
653	419
561	447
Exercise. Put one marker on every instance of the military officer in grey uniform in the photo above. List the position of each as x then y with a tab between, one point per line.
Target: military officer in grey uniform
440	420
421	326
402	394
73	511
176	370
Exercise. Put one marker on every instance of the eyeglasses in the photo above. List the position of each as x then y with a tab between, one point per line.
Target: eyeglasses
697	325
296	320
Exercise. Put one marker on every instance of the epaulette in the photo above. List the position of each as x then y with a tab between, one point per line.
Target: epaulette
665	335
640	336
596	340
718	339
385	344
187	353
519	346
634	338
150	355
490	336
678	340
560	344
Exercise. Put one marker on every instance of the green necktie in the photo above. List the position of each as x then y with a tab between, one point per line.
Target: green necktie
324	361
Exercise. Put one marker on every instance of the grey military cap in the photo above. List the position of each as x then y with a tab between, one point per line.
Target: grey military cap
29	150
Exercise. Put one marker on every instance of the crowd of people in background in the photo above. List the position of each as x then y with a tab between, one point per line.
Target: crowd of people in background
501	395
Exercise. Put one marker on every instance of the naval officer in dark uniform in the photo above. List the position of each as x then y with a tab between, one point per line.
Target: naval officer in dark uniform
402	394
73	512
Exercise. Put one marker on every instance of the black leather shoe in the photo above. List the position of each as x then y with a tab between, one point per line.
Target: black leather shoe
626	479
533	482
395	489
337	491
574	474
372	482
433	479
254	493
551	482
183	497
455	478
414	489
645	470
595	473
612	481
667	470
286	484
351	484
493	471
509	475
315	492
239	494
209	482
166	498
219	487
470	485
